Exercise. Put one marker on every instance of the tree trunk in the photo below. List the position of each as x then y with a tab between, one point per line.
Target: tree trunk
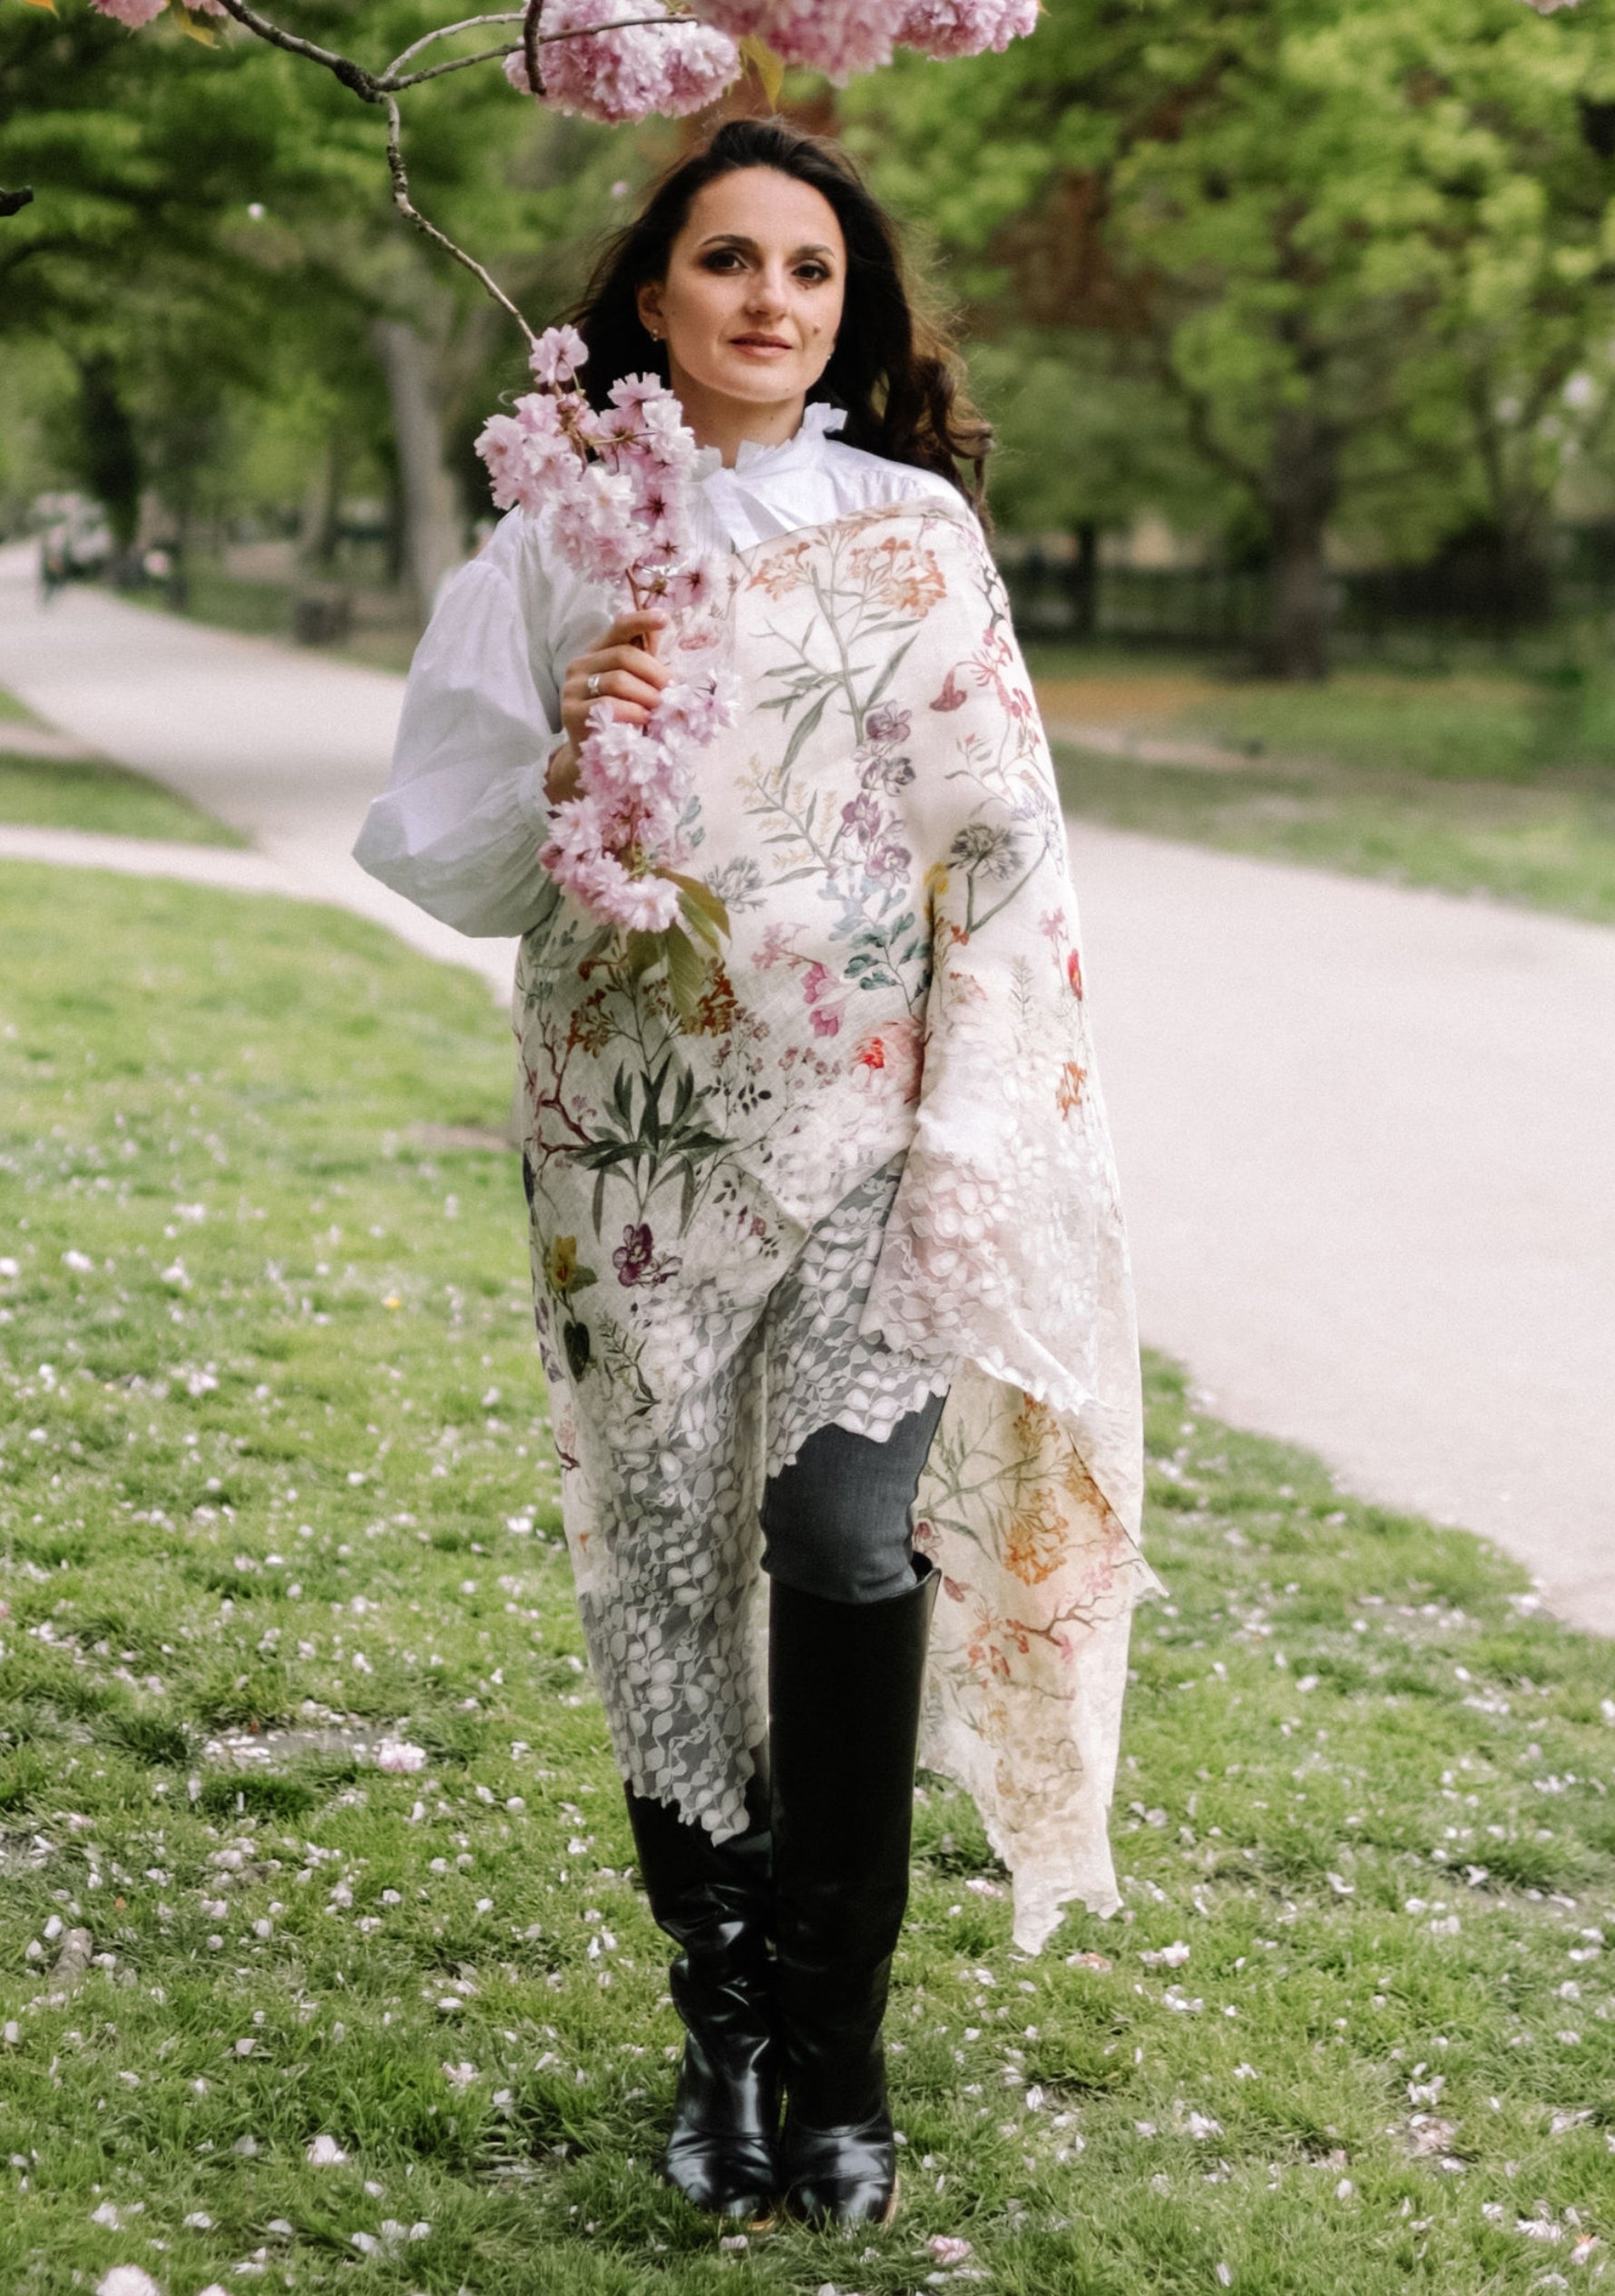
1085	581
108	456
432	541
322	504
1303	483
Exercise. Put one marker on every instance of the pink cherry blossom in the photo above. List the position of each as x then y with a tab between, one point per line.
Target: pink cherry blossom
635	391
841	37
965	27
614	488
557	356
626	74
501	444
133	13
834	36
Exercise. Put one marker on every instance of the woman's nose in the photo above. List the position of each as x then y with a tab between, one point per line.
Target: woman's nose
768	289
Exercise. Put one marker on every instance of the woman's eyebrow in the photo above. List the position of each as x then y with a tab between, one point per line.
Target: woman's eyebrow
739	239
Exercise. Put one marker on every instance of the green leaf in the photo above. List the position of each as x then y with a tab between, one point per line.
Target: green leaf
701	897
644	950
687	976
768	67
699	924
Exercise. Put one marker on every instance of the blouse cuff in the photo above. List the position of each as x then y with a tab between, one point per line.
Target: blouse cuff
533	794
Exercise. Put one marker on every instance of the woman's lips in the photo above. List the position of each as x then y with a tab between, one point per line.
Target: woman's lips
759	343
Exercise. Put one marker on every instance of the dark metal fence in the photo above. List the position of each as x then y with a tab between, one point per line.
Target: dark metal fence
1468	596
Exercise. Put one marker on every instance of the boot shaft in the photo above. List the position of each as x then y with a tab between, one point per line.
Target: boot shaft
844	1687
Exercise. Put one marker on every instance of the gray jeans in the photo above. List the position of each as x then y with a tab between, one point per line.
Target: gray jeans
838	1521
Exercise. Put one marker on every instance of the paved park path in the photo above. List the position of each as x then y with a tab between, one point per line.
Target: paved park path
1366	1136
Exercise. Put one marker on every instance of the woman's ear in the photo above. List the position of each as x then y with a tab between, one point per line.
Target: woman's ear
648	301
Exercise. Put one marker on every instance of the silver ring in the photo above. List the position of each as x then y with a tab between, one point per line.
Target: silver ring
592	685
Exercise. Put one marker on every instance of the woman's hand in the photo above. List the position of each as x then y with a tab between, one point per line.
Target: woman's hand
623	670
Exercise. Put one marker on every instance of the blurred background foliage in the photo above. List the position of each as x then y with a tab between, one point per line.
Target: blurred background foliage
1276	299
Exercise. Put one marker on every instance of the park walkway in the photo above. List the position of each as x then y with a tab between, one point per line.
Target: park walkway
1365	1134
284	745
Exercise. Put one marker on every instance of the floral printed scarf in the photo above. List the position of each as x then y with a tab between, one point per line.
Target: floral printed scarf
900	1006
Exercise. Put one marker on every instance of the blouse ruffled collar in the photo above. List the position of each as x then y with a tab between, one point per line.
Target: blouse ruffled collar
756	458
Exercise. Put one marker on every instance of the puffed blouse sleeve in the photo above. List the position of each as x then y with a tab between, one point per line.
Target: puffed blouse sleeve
458	827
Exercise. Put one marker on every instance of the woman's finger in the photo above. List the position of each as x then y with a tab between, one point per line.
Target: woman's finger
628	628
632	659
612	686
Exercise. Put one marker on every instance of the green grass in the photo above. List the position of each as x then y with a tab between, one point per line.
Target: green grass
86	793
256	609
1549	846
1470	725
12	709
1461	727
270	1408
264	609
1469	782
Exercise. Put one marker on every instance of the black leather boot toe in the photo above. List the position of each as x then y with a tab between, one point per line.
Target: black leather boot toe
720	2152
713	1899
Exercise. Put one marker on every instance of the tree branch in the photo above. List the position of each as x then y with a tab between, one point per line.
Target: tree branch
530	16
382	88
388	84
364	84
406	206
392	86
446	31
1198	415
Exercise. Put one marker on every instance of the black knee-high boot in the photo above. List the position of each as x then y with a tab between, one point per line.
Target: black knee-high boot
844	1692
712	1898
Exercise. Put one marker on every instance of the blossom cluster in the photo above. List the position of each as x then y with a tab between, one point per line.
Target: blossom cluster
679	62
842	37
619	60
614	484
624	75
135	13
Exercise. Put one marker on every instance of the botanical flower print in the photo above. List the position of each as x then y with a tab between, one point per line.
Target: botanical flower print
870	1165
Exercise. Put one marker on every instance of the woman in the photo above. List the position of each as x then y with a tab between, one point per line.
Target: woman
864	1196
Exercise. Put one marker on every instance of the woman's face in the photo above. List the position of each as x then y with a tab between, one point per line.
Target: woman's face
754	289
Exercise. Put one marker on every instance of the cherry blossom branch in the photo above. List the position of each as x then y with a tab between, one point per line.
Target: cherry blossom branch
446	31
388	83
373	87
455	64
406	206
530	43
364	84
382	88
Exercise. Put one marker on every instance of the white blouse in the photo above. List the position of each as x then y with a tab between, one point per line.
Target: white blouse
458	827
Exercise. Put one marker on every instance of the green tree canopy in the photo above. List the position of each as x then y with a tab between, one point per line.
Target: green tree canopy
1365	247
213	227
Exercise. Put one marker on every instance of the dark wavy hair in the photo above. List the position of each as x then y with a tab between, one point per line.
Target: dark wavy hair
894	368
